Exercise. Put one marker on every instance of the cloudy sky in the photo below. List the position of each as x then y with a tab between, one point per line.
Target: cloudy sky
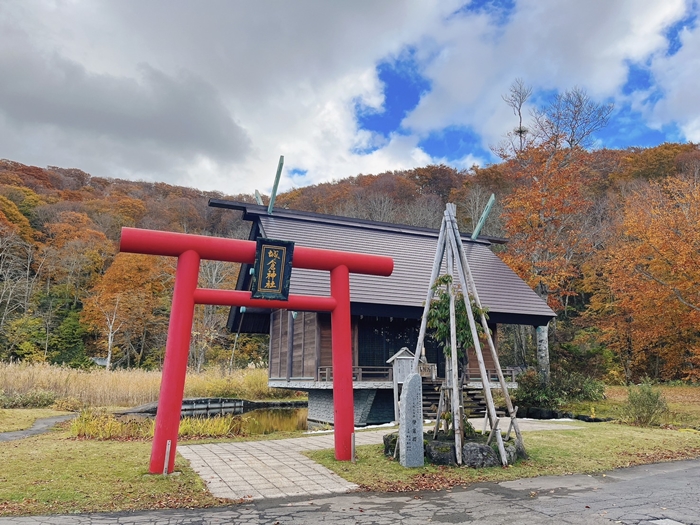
210	94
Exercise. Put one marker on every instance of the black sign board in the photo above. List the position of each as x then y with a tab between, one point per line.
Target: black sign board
273	269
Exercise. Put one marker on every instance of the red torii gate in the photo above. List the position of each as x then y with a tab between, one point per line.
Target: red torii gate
190	249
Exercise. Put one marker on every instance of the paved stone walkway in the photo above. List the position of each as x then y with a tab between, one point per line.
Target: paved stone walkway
257	470
270	469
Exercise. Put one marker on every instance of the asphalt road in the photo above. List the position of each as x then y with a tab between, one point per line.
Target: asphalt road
660	494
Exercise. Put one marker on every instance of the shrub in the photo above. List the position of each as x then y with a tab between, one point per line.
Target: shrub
562	388
469	430
532	393
100	425
31	399
219	426
645	406
67	404
574	386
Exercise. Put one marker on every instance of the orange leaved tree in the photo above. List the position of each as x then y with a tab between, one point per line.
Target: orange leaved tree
129	305
545	218
647	301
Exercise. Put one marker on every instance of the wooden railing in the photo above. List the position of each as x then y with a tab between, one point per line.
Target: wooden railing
427	370
359	373
508	374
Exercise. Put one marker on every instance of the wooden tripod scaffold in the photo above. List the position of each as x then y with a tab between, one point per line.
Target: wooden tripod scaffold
450	246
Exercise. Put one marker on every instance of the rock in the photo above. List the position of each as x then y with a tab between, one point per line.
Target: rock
478	455
390	443
441	453
511	452
546	413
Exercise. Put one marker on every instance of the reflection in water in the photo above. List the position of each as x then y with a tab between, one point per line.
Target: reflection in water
266	421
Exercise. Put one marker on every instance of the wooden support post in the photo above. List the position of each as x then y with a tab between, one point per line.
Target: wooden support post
492	434
437	262
456	420
440	410
512	423
290	344
501	448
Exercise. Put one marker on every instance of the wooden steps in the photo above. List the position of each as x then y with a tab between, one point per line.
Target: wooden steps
474	401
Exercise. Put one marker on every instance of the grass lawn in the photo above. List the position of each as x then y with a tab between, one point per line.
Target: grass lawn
593	448
683	403
23	418
52	474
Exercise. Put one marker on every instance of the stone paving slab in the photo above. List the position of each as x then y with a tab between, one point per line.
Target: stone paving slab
270	469
254	470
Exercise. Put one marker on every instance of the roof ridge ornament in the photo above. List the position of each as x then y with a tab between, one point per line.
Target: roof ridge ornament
274	187
484	215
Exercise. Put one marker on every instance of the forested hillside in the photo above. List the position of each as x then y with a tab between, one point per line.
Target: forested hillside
65	292
610	238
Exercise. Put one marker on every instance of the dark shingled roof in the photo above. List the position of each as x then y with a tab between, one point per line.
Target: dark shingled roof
507	297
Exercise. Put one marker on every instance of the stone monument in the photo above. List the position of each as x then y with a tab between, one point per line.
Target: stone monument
411	422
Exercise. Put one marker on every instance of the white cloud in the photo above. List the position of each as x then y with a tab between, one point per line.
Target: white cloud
210	94
548	43
265	78
676	76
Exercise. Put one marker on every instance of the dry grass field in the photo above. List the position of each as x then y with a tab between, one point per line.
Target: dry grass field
128	388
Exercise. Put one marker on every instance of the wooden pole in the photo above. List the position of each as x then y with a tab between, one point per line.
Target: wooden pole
437	262
273	196
484	215
290	345
440	410
456	419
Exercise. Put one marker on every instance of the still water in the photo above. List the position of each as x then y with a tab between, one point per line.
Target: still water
268	420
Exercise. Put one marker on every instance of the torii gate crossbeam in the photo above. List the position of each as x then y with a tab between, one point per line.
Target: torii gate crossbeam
190	249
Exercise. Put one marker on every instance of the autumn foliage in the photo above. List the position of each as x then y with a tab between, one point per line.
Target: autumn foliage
646	286
545	219
610	238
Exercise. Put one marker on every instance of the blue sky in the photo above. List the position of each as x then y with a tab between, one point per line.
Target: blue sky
209	95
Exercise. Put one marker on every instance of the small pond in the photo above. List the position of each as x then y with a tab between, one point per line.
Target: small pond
259	417
268	420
